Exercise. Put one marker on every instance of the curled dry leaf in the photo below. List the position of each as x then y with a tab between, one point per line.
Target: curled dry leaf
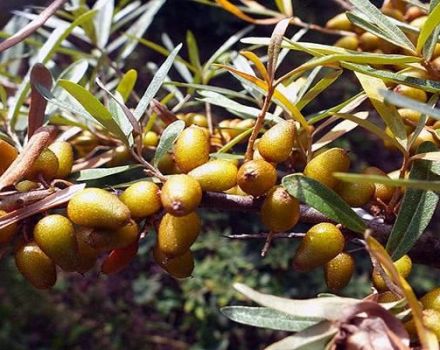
51	201
41	75
18	200
163	112
27	157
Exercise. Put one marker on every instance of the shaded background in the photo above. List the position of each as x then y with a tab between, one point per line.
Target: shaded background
142	308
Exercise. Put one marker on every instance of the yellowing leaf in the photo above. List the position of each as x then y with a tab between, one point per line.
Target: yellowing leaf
257	62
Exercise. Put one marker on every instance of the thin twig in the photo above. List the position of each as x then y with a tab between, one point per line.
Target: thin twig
32	26
344	4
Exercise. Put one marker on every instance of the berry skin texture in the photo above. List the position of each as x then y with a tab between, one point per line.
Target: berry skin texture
7	232
106	241
216	175
191	149
179	267
46	165
177	234
355	194
94	207
403	266
64	153
256	177
119	259
8	154
142	199
322	167
339	22
150	139
431	300
382	192
35	266
87	255
280	211
322	243
431	320
413	93
181	195
277	143
338	271
55	235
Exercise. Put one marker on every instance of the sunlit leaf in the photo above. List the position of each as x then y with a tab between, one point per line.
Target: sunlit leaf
103	21
95	174
428	27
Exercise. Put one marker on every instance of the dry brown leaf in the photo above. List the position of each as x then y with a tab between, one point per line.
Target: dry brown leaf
51	201
41	75
27	157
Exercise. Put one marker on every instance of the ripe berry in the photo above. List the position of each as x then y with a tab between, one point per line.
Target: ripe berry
64	153
340	22
431	300
46	165
277	143
413	93
94	207
119	259
55	235
7	155
338	271
322	167
348	42
216	175
403	266
191	149
280	211
181	194
382	192
121	155
431	320
196	119
26	186
176	234
142	199
355	194
321	244
103	240
369	42
256	177
84	143
7	232
35	266
167	165
179	267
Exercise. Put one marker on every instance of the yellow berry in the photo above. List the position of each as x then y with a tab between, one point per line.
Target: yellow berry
339	22
104	240
348	42
179	267
338	271
181	194
191	149
256	177
46	165
216	175
64	153
431	300
150	139
403	266
276	144
142	199
8	154
355	194
7	232
382	192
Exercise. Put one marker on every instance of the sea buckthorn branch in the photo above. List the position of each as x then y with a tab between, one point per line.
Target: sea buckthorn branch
424	252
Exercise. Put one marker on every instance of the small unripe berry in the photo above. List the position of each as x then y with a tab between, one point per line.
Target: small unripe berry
355	194
191	149
322	167
321	243
256	177
431	300
179	267
196	119
403	266
35	266
46	165
95	207
338	271
280	211
7	232
8	154
176	234
216	175
64	153
55	235
142	199
276	144
181	194
150	139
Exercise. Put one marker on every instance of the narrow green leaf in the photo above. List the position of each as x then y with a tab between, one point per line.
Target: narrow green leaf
314	338
383	22
428	27
95	174
408	183
167	139
193	50
324	200
94	107
103	21
44	55
417	207
155	84
268	318
431	42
